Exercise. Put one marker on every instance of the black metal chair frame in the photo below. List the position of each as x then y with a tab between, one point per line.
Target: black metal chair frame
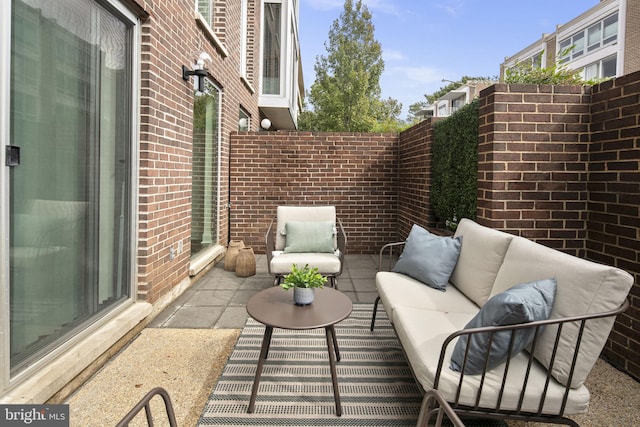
145	403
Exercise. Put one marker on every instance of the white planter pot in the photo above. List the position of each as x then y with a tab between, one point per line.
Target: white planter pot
303	296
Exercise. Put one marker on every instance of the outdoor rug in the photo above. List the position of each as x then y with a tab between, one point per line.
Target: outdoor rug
376	385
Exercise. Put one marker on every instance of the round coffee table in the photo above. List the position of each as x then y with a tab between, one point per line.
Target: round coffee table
274	308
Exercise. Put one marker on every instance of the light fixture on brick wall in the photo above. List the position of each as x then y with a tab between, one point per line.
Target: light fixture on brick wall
199	71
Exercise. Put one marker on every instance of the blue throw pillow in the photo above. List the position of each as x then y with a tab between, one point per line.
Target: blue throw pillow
520	304
429	258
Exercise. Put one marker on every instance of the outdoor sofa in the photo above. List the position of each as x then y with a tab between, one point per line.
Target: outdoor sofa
560	316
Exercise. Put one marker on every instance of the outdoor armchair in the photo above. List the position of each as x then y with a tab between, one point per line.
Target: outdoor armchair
306	235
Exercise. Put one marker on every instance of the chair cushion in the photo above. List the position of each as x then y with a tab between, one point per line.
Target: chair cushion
520	304
309	236
584	287
429	258
481	256
281	263
301	213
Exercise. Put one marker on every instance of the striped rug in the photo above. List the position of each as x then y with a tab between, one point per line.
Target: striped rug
376	385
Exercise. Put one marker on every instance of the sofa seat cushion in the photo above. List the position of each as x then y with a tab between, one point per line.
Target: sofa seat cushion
584	287
396	289
422	333
481	255
327	263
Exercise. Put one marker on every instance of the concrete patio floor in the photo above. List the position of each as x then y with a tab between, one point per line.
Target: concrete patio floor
185	348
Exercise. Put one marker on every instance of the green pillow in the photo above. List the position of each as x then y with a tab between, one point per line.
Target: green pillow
309	236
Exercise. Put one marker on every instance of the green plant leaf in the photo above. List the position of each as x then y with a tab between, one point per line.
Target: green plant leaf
306	277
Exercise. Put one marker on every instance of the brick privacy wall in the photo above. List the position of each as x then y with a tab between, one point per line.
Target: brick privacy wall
171	38
613	232
356	172
414	156
532	163
543	175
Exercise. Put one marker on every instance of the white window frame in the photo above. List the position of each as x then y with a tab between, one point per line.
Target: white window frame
583	31
244	11
206	25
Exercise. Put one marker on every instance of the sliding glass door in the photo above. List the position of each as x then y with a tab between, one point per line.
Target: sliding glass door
70	195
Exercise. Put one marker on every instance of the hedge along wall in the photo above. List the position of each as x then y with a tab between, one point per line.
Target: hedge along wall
454	187
356	172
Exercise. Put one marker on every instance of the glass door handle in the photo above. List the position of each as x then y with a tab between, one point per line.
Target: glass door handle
12	155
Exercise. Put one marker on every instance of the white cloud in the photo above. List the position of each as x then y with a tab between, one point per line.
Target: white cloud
385	6
421	75
452	7
392	55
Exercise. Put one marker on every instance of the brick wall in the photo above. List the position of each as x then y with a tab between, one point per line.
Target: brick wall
532	162
414	156
613	232
355	172
560	165
171	38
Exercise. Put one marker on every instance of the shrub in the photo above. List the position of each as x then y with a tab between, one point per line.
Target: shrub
454	186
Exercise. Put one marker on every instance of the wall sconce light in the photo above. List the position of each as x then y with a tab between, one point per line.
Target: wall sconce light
199	71
199	74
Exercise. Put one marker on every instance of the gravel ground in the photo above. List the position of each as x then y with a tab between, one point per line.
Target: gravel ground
185	362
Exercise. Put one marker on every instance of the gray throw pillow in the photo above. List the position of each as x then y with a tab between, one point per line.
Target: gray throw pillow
429	258
520	304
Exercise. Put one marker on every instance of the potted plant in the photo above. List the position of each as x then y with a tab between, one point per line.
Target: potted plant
303	281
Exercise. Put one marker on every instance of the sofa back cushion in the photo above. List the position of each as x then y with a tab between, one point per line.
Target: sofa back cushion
481	255
301	213
583	287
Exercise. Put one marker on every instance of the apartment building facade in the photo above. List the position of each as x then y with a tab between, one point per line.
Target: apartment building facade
602	42
115	121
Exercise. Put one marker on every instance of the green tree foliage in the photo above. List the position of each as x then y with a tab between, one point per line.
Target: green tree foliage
433	97
454	184
556	74
346	93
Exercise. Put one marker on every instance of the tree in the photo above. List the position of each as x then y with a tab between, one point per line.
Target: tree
556	74
346	93
431	98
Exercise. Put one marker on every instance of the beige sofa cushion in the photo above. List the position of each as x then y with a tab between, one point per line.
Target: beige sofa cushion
481	256
584	287
397	289
422	333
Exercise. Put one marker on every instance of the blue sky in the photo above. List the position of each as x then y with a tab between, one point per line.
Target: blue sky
425	41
